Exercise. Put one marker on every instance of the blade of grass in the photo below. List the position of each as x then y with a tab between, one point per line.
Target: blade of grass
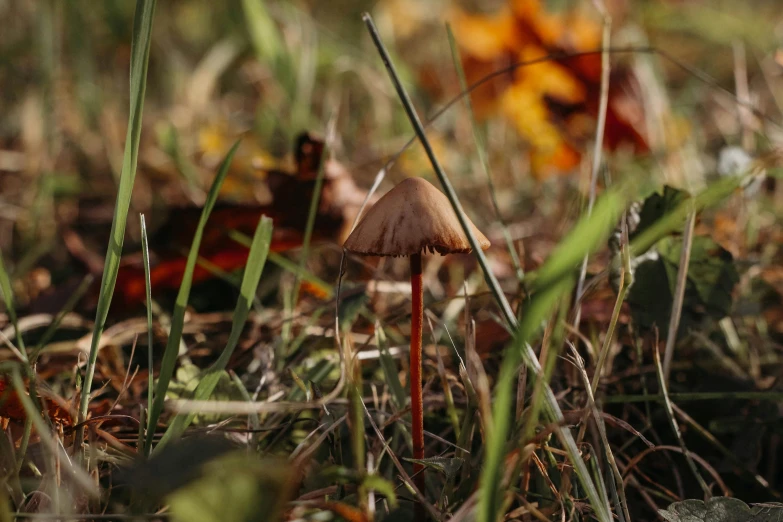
589	232
148	287
178	317
481	149
8	299
140	51
356	416
268	44
262	239
253	420
520	350
491	497
284	263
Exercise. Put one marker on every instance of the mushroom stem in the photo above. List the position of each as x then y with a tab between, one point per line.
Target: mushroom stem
417	402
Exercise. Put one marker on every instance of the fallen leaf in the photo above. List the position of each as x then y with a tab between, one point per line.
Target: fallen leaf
291	192
11	406
552	104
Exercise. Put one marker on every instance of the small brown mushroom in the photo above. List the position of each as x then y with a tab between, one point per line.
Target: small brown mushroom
413	218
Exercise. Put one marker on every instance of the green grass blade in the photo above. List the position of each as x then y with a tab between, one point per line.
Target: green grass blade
259	249
8	299
288	265
266	38
178	317
140	51
148	286
481	148
491	495
269	44
588	234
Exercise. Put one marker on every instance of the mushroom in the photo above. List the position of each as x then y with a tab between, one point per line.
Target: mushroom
413	218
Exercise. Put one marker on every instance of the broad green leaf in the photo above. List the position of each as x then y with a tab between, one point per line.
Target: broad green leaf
237	487
179	464
657	206
712	276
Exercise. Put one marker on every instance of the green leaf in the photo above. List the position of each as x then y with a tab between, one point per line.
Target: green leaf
721	509
712	276
177	466
711	273
238	487
657	206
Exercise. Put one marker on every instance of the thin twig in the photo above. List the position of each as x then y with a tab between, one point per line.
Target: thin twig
679	295
600	128
410	483
599	421
675	427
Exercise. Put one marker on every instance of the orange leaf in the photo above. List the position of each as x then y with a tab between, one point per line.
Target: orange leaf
552	104
349	513
11	406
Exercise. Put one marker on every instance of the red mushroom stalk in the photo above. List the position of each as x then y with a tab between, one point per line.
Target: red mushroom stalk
413	218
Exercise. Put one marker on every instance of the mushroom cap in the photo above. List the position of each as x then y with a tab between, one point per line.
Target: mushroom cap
411	218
